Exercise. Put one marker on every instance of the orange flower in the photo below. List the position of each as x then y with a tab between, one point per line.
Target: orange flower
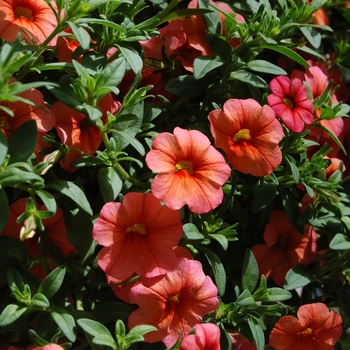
316	328
174	303
34	17
285	247
249	134
191	171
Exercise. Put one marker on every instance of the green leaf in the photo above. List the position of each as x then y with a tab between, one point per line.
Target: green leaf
11	177
93	113
105	340
81	34
65	93
114	72
12	250
262	66
22	142
245	298
110	184
250	271
185	85
92	327
278	294
4	205
72	191
136	334
257	333
65	321
249	78
52	283
39	301
298	276
48	200
11	313
218	269
3	147
79	228
131	140
313	36
287	52
132	57
191	232
339	242
220	238
264	193
202	65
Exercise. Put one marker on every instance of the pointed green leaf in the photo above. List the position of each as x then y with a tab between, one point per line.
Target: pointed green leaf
52	283
65	321
110	183
3	147
250	272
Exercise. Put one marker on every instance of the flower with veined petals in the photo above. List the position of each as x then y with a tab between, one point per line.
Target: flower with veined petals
138	236
315	328
249	135
191	171
290	102
175	302
285	247
206	337
75	130
34	17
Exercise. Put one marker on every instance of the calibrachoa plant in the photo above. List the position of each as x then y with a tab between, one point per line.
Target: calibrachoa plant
174	174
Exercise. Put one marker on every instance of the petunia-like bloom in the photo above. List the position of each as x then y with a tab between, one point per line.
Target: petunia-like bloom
138	236
175	302
285	247
75	130
249	134
315	328
191	171
34	17
49	347
206	337
290	102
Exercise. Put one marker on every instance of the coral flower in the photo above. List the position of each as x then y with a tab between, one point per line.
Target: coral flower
316	328
191	171
49	347
290	102
176	302
139	236
45	119
75	130
249	134
285	247
206	337
34	17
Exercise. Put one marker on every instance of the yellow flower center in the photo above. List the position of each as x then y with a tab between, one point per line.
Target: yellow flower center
306	331
139	228
185	165
242	134
24	12
4	123
288	102
175	298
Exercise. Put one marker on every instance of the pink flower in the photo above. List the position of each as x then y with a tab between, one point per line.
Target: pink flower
315	328
290	102
175	302
191	171
249	134
49	347
138	237
32	16
285	247
206	337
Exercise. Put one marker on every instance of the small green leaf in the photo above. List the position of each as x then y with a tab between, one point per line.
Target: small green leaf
11	177
132	57
249	78
202	65
105	340
22	142
81	34
339	242
52	283
257	333
245	298
92	327
65	321
72	191
39	301
48	200
110	183
3	147
262	66
11	313
136	334
298	276
278	294
218	269
131	140
250	271
191	232
114	72
185	85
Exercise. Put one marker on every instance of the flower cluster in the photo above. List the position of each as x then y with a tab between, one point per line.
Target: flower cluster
174	175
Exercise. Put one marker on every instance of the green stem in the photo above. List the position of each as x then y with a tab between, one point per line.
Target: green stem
121	171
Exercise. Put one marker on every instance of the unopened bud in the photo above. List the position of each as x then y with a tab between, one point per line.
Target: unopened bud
28	229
